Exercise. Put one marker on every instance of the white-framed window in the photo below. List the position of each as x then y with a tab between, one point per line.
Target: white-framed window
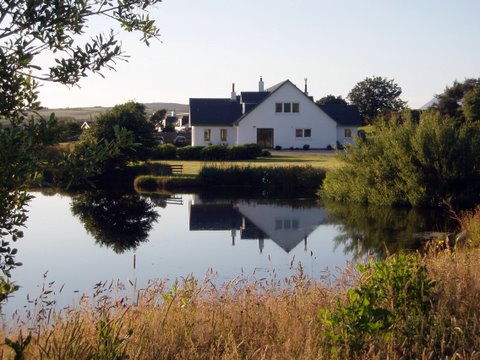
223	134
287	107
348	133
303	133
207	135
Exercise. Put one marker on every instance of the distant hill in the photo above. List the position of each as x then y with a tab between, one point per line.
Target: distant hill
169	106
82	114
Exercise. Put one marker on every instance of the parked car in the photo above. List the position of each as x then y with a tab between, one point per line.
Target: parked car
180	141
159	139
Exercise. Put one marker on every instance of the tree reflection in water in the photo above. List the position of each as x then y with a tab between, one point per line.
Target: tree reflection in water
119	221
382	230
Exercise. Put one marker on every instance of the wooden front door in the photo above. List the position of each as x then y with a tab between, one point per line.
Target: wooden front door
265	138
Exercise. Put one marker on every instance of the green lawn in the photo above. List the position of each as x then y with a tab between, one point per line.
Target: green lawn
324	161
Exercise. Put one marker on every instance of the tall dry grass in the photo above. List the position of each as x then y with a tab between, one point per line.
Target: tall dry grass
265	318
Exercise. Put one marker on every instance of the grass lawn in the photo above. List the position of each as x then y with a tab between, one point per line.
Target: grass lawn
325	161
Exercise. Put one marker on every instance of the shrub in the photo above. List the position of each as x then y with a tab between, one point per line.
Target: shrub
267	181
164	151
265	153
214	152
306	147
190	152
278	147
411	164
392	297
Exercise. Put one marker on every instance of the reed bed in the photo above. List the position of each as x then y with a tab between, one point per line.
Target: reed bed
409	306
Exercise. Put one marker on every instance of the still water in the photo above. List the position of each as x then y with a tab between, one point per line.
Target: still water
79	240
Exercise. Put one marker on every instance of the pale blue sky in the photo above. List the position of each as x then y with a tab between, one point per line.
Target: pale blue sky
424	45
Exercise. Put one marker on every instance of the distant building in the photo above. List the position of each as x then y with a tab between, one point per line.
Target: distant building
281	115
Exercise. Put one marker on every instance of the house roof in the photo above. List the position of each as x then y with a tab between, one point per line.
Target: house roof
214	112
345	115
253	97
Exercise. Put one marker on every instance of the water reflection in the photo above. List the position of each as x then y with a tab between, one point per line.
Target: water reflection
361	229
382	230
119	221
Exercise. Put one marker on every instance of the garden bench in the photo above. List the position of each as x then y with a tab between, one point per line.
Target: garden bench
176	169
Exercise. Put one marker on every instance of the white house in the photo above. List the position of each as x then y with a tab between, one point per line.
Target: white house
282	115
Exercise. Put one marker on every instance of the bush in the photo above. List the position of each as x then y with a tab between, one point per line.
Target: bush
392	297
278	147
164	151
306	147
190	152
411	164
214	152
265	153
267	181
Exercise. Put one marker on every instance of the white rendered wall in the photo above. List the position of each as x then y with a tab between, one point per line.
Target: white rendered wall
341	134
310	116
198	140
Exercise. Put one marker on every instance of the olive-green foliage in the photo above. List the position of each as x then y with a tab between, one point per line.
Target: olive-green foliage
471	105
411	164
392	301
164	152
220	152
190	152
130	116
268	181
69	130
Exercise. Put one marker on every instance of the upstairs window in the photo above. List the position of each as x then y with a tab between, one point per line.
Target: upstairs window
287	107
348	133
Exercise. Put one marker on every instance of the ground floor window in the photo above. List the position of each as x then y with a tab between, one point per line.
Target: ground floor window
303	133
348	133
223	135
207	135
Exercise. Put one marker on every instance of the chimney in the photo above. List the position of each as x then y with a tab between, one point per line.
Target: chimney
233	97
306	87
260	85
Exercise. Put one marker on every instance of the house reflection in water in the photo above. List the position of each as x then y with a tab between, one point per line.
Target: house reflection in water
285	224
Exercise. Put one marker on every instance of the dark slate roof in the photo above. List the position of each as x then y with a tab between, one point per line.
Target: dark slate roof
214	217
254	97
214	112
345	115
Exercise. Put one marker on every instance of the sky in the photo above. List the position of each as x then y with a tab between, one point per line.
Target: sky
205	46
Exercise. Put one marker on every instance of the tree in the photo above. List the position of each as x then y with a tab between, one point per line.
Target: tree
55	30
130	116
411	163
158	116
375	95
331	99
471	105
449	103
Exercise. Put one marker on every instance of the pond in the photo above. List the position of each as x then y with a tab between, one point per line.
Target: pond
74	242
